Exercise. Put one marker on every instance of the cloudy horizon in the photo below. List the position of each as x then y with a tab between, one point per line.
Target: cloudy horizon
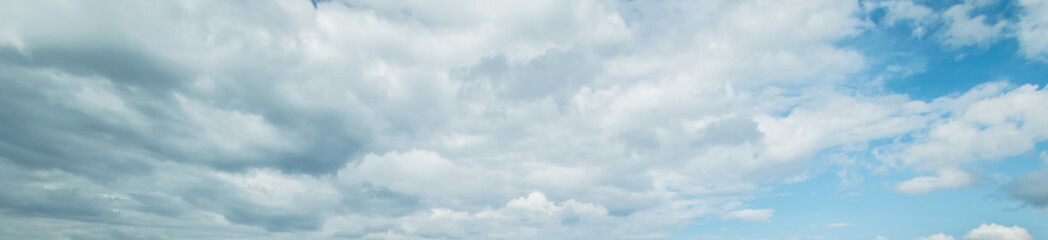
533	119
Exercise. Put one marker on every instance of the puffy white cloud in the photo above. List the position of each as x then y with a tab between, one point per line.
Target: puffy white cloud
995	231
940	236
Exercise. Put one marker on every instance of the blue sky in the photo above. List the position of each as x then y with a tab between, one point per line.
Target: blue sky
537	119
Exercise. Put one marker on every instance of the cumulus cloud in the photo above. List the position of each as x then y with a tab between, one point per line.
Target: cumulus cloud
998	232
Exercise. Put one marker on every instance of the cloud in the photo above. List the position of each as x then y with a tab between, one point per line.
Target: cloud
962	25
987	232
921	17
906	10
1033	29
998	232
751	215
463	119
527	217
987	123
839	225
1011	127
1029	188
940	236
946	179
966	30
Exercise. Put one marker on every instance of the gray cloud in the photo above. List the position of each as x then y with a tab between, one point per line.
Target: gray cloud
123	65
1030	188
729	131
67	204
184	115
42	114
237	207
556	73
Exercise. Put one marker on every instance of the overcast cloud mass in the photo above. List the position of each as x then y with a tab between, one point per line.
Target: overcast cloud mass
530	119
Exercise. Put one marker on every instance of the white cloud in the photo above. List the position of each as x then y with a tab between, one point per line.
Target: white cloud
519	218
946	179
962	29
879	238
840	120
1033	29
985	124
906	10
427	174
921	16
994	231
751	215
529	217
940	236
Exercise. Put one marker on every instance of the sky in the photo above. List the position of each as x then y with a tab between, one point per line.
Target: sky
524	119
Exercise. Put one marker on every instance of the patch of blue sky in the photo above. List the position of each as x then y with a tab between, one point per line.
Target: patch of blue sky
824	207
924	69
875	208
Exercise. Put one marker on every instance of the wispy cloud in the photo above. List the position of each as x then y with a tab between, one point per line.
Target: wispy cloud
839	225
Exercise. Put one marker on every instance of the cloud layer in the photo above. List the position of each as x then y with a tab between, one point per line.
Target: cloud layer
541	119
